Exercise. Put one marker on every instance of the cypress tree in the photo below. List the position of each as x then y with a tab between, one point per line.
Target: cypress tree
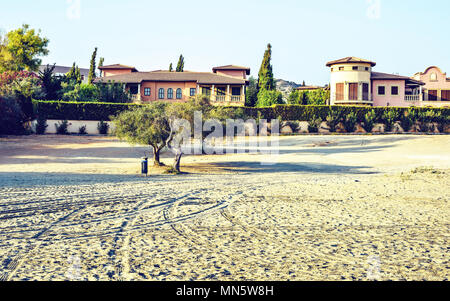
74	75
91	76
170	67
100	64
265	75
180	65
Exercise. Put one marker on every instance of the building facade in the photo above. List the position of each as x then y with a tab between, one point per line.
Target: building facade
437	85
225	85
353	82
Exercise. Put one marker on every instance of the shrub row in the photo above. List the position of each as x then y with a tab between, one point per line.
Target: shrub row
60	110
305	113
102	111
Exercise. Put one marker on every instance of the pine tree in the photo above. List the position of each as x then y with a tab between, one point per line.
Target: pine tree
92	75
74	75
170	67
304	84
180	66
100	64
265	75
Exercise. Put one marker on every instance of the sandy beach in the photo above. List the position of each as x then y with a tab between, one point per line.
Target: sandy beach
327	208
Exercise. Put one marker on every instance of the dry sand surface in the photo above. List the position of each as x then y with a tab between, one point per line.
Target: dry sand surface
328	208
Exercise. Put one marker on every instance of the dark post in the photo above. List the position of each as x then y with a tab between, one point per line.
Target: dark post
144	165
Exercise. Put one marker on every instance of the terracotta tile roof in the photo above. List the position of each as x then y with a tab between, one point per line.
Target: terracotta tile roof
350	60
232	67
310	88
117	66
161	76
387	76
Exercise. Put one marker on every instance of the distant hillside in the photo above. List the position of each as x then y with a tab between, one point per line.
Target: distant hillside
286	87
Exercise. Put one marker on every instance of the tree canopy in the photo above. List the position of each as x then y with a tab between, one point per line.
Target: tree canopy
20	49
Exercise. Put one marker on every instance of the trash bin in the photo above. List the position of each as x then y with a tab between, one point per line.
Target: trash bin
144	166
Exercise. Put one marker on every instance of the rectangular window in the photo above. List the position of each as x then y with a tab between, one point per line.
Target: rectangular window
147	91
221	91
394	90
236	91
432	95
340	91
206	91
445	95
341	68
365	91
353	91
355	68
193	91
381	90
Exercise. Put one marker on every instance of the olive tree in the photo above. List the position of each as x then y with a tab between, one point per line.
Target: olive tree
147	125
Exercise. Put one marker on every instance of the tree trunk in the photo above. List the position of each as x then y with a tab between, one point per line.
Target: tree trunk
177	161
156	160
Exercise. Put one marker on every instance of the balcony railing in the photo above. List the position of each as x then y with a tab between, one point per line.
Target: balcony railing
221	98
235	98
413	98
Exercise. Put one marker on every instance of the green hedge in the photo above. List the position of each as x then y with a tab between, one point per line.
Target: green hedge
102	111
305	113
61	110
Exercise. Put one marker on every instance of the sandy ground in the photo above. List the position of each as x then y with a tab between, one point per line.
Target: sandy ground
327	208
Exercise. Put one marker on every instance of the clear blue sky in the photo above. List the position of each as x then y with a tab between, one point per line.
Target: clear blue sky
405	37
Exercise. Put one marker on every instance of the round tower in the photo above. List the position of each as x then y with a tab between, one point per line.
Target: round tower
350	82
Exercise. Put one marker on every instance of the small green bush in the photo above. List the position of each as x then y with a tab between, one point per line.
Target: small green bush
407	120
314	124
333	119
103	127
41	125
389	118
369	121
82	130
62	127
350	121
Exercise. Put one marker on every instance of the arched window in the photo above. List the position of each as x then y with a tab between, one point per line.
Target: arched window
161	93
433	77
170	93
179	94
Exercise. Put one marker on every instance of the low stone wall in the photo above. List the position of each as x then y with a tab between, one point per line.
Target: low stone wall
74	126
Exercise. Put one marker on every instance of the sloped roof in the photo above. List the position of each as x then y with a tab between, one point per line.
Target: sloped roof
350	60
161	76
117	66
232	67
64	69
387	76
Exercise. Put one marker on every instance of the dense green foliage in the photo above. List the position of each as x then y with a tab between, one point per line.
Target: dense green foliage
269	98
51	84
12	118
265	75
60	110
102	111
251	95
21	48
315	97
180	65
92	67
